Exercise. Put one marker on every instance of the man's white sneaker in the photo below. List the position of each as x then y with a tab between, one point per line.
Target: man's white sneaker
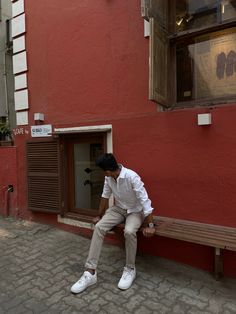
86	280
127	278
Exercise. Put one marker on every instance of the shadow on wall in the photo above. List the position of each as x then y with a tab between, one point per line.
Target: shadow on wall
226	65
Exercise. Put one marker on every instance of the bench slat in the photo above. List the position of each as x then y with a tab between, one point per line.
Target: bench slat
195	232
223	230
199	228
194	224
215	234
196	238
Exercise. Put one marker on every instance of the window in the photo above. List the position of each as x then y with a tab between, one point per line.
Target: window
192	51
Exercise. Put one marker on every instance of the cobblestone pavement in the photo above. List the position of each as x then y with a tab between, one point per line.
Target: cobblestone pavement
39	263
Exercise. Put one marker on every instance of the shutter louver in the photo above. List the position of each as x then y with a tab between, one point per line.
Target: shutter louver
44	188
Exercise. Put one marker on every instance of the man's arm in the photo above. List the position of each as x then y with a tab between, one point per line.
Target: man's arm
103	205
104	201
142	196
149	228
148	220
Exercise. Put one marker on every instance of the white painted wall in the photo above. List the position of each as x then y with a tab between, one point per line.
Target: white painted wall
6	75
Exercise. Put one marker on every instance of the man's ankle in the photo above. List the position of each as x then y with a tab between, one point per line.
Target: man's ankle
92	271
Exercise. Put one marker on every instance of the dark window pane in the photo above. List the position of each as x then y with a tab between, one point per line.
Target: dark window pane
88	177
206	66
228	10
184	73
192	14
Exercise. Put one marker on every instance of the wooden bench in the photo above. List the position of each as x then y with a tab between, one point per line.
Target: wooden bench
216	236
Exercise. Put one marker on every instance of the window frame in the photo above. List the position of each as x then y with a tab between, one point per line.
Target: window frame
62	134
173	39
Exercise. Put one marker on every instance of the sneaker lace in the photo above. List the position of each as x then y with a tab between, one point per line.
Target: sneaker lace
127	273
83	279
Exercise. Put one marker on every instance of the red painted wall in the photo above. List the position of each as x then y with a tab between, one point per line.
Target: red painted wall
88	65
90	57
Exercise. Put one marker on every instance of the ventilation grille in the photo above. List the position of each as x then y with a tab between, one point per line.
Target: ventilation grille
44	176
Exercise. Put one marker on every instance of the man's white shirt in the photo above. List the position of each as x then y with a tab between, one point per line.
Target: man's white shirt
128	191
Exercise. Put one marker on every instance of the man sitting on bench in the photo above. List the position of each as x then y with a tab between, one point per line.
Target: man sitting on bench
132	206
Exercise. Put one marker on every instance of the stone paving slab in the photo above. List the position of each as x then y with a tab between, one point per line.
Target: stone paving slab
39	263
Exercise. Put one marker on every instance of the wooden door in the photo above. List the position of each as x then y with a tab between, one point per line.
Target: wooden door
85	179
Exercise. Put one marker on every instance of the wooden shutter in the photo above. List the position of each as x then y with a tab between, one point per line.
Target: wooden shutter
145	7
44	186
156	12
155	8
158	63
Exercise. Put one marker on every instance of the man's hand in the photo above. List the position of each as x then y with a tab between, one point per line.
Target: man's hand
96	219
148	232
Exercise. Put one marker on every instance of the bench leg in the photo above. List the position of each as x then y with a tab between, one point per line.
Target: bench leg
218	267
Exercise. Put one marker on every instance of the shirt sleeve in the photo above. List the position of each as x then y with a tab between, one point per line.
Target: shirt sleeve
106	189
141	194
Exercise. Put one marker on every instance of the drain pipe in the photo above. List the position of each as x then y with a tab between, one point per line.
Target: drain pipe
6	203
7	200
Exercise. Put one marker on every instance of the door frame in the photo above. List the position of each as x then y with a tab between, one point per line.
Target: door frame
70	178
64	134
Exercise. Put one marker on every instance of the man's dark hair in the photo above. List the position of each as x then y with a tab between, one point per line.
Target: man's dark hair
107	162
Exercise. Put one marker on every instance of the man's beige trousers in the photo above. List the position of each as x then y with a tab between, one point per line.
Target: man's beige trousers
114	216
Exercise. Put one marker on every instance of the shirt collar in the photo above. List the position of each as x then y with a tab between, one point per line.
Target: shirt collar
122	171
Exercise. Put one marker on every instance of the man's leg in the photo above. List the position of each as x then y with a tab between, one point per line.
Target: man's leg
132	224
112	217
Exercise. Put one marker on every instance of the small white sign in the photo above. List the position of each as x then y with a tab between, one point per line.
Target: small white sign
17	8
20	62
41	130
18	44
22	118
21	99
18	25
20	81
